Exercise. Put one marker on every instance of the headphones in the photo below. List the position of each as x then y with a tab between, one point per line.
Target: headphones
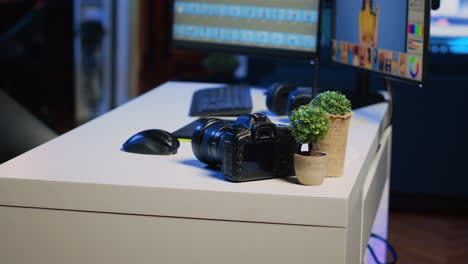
282	98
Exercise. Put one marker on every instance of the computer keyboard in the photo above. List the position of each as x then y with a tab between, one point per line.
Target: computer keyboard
230	100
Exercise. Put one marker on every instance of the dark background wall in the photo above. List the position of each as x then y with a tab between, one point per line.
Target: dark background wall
429	147
36	61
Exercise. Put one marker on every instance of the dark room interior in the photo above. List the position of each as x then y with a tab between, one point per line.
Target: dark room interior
52	51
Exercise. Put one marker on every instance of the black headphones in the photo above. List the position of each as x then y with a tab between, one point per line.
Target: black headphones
282	98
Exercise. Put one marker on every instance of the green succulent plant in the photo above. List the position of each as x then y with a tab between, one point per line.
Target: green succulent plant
217	62
332	103
309	124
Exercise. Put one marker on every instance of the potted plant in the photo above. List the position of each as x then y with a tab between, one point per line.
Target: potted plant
338	109
222	65
309	125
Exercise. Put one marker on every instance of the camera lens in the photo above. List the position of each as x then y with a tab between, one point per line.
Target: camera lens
207	140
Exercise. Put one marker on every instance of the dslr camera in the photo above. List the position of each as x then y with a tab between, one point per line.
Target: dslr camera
251	148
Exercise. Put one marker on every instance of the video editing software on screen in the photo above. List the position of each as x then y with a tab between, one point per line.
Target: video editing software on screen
385	36
274	24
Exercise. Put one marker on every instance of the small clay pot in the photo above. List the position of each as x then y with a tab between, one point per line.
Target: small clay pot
311	169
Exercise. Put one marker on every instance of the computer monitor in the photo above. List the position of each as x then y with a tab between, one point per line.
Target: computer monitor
386	36
449	27
252	27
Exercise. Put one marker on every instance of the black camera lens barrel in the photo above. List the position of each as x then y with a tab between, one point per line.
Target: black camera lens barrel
207	140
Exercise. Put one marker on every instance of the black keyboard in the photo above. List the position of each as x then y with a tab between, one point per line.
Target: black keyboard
231	100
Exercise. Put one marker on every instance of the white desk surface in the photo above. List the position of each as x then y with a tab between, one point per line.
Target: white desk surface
86	170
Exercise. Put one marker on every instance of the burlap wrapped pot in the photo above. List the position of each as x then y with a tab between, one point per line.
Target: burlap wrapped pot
334	143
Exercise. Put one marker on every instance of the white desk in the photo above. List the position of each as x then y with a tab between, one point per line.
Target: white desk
80	199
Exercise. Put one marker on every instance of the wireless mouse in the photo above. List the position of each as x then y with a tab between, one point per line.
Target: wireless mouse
152	141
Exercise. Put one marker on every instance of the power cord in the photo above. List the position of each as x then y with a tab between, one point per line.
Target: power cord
388	246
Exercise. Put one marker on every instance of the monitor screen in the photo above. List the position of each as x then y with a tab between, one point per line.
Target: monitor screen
385	36
259	27
449	27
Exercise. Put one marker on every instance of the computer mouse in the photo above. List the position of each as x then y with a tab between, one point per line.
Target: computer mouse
152	141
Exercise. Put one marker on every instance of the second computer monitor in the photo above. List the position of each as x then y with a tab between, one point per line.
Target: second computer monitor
259	27
449	27
386	36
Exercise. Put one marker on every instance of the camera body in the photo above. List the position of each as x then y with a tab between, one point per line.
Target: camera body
253	148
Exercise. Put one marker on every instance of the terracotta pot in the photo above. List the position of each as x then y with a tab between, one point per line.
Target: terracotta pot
311	170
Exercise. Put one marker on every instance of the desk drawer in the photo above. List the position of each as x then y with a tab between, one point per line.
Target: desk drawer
373	187
46	236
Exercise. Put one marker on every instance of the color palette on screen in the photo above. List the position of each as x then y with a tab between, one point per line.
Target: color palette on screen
416	29
414	67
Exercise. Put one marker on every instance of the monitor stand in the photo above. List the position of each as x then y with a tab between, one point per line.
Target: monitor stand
315	88
362	96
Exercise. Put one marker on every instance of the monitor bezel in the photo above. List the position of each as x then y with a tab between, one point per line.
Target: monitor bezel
251	50
425	56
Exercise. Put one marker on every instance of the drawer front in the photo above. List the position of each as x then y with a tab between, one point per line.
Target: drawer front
57	236
378	174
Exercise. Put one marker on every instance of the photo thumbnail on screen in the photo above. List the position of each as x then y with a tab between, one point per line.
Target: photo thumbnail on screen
385	36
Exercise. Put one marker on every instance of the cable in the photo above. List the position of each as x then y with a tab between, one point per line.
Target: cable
23	21
388	246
